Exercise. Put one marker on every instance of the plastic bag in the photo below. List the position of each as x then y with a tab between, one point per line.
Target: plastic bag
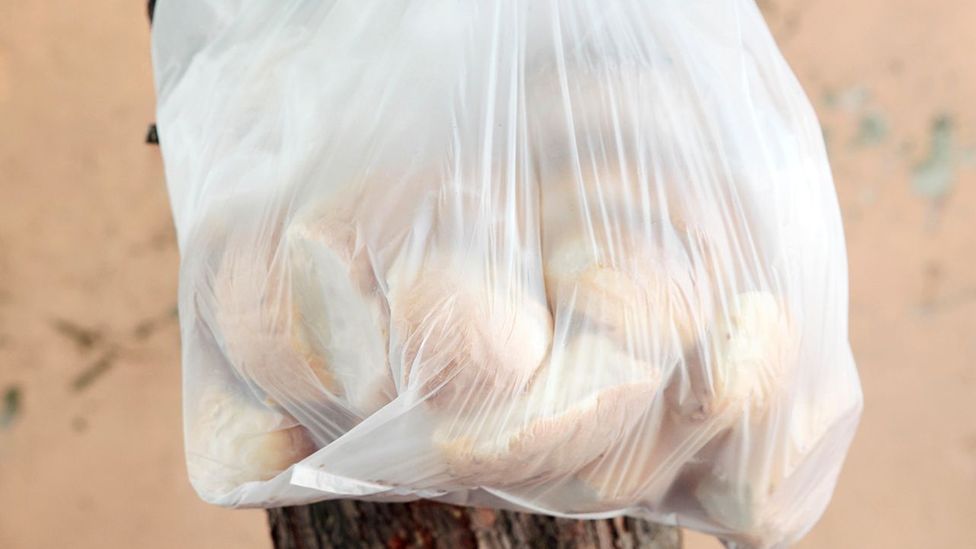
576	257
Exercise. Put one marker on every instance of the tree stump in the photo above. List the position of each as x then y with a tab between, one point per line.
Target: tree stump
428	524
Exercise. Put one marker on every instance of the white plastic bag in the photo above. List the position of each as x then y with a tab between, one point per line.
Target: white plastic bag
576	257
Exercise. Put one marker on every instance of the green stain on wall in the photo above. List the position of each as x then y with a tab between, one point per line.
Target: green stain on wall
933	176
10	406
871	130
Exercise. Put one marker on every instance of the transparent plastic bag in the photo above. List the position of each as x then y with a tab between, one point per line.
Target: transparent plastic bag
574	257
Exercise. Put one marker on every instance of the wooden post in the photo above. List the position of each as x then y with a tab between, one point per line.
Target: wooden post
432	525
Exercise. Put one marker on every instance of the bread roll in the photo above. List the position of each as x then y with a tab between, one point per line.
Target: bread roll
341	319
752	486
621	253
753	350
587	396
737	375
232	440
642	291
306	326
741	487
463	341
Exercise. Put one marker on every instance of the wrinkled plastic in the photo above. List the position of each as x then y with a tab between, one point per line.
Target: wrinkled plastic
576	257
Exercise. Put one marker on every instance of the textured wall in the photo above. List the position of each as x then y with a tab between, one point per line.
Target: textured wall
89	370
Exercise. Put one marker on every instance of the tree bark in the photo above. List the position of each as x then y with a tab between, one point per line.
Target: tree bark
433	525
